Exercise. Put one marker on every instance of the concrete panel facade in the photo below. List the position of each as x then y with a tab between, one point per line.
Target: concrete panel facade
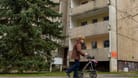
122	28
96	4
99	39
56	1
127	25
127	34
89	30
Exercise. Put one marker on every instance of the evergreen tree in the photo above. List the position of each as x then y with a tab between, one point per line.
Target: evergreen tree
28	34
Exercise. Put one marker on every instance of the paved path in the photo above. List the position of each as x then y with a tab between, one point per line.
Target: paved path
62	77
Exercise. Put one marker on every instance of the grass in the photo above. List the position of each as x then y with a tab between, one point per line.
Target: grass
36	74
60	74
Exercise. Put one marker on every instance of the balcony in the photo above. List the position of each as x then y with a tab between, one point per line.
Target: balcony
89	30
101	54
92	5
56	1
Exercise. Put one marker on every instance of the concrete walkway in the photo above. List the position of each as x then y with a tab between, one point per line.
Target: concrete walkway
99	76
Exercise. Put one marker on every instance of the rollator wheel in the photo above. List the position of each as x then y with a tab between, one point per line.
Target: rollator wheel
80	74
93	74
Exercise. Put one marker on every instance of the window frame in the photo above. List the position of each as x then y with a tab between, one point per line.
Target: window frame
106	18
94	21
83	23
105	44
94	45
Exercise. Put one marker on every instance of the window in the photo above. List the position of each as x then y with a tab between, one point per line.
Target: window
106	43
94	21
83	46
106	18
83	23
84	2
94	44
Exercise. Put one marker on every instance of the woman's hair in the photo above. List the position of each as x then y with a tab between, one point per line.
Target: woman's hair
80	38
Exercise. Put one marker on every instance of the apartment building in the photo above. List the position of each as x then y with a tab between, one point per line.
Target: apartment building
110	28
63	51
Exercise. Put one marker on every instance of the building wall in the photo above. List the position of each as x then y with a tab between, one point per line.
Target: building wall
123	28
91	31
127	30
76	8
99	39
56	1
99	17
62	9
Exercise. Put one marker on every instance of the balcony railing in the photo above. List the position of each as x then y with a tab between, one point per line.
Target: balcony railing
56	1
89	6
89	30
100	54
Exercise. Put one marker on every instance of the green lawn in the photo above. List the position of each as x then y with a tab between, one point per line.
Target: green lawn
62	74
37	74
